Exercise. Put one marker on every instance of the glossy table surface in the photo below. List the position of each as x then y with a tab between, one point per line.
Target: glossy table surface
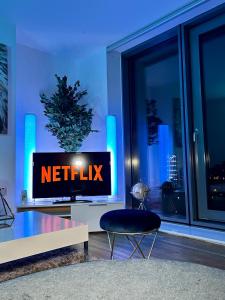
30	224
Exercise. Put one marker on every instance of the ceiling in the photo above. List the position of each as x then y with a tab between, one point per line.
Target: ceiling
54	25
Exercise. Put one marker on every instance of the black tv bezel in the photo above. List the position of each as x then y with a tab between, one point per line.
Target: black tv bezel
69	194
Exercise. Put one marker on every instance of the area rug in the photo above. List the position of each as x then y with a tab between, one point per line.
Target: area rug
40	262
113	280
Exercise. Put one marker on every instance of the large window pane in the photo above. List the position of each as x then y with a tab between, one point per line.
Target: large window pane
158	135
212	47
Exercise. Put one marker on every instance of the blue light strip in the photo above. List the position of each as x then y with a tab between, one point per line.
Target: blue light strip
165	149
112	148
29	148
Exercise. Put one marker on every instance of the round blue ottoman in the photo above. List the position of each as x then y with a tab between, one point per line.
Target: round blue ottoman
130	222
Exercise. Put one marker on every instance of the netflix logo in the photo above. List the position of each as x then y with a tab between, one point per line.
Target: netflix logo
65	173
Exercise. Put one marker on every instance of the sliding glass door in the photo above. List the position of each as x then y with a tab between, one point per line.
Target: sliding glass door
176	117
208	95
157	139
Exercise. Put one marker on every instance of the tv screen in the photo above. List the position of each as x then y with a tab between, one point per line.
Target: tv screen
65	174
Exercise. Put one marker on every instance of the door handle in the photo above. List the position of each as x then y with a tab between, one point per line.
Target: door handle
195	135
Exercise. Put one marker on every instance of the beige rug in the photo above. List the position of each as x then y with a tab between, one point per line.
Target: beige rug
41	262
155	279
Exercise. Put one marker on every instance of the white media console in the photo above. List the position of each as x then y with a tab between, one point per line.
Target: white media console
85	212
91	213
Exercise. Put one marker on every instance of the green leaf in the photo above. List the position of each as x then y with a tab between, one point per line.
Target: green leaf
68	120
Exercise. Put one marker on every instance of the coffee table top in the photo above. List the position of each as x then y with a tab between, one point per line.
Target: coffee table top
30	223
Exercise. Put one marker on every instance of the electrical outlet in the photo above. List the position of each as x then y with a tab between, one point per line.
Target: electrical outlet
3	190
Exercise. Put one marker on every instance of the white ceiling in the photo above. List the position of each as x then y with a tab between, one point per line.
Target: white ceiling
53	25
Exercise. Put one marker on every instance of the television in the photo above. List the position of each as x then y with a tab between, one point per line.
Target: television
68	174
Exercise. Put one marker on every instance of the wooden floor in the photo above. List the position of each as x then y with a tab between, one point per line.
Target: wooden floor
167	247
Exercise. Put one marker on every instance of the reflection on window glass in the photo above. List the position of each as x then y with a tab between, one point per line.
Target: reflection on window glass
159	131
213	75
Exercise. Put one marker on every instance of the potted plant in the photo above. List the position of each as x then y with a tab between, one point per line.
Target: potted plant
68	120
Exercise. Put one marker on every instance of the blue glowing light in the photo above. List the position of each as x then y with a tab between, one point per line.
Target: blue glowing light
29	148
112	148
165	149
28	228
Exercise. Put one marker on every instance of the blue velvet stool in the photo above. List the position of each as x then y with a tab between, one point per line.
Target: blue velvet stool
131	223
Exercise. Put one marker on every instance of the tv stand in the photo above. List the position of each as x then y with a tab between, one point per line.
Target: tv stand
71	201
87	210
73	197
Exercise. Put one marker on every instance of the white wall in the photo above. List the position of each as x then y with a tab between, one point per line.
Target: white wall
7	142
34	72
90	68
115	107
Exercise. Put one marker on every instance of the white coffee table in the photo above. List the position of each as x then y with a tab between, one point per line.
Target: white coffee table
34	233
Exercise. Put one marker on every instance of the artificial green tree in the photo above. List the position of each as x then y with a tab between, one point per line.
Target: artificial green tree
69	120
